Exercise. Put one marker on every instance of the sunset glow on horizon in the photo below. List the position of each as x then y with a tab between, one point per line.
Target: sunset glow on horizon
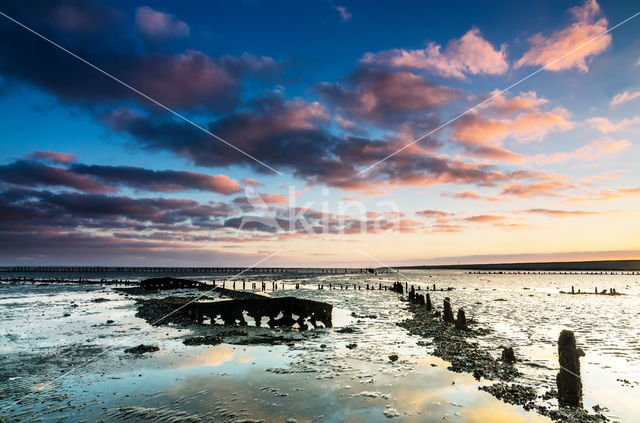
318	133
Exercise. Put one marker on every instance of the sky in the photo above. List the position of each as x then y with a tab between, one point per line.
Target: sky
318	133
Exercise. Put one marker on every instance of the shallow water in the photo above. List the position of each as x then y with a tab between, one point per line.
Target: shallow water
317	379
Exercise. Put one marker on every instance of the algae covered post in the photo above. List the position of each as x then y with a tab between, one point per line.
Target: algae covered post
568	380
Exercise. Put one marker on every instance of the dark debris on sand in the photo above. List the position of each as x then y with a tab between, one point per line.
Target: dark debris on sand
203	340
141	349
452	345
527	397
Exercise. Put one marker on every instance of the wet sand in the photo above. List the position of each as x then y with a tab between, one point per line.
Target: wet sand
314	377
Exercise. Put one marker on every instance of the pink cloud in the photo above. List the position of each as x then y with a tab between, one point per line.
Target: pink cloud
624	97
250	182
432	213
53	156
506	106
484	136
484	218
606	176
275	198
156	25
471	54
438	216
546	49
595	150
447	228
466	195
605	126
470	195
549	186
562	213
607	194
220	183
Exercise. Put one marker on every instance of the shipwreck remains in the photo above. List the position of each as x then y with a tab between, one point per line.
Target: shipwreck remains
280	312
154	284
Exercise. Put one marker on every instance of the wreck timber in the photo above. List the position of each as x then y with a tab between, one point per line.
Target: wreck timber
280	312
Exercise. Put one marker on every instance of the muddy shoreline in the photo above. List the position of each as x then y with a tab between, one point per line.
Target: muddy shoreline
375	362
466	356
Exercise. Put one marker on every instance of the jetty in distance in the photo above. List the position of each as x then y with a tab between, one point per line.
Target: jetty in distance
557	266
189	270
632	266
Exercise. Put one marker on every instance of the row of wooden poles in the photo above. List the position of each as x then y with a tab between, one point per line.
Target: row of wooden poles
274	286
568	380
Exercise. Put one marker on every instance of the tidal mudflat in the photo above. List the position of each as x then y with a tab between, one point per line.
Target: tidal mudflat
63	352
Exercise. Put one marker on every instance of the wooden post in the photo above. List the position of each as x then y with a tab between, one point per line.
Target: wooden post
429	306
568	379
461	321
447	314
508	356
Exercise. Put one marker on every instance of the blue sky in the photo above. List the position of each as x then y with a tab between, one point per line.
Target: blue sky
319	91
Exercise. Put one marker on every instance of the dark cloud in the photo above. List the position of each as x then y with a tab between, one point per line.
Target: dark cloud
78	209
292	135
287	134
95	32
383	97
104	179
33	174
158	180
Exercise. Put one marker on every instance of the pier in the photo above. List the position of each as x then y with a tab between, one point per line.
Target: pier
187	270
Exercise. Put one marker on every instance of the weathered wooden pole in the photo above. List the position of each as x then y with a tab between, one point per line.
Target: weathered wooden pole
461	321
568	379
508	356
447	314
428	300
